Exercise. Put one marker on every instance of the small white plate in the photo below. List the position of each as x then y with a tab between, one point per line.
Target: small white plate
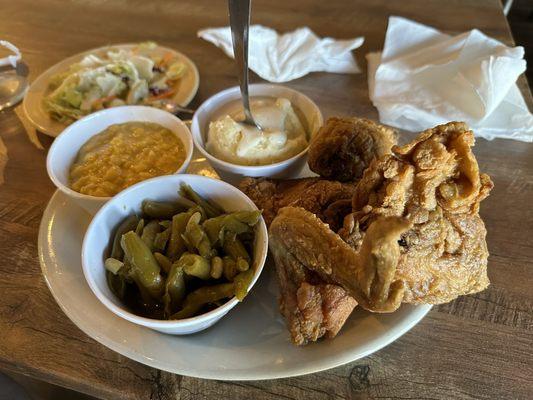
250	343
33	101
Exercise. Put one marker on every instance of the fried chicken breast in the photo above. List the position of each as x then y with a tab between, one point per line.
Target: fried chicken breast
435	183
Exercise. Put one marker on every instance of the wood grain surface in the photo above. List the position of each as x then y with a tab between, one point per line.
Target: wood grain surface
477	347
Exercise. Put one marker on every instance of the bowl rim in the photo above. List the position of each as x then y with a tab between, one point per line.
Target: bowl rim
196	131
53	150
158	323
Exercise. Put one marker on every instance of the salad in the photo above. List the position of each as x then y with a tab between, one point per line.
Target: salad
121	77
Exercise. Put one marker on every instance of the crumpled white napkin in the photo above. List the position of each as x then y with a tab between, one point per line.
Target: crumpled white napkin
282	58
424	78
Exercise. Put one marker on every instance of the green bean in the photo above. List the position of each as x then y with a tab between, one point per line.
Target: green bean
165	223
116	284
187	311
150	230
197	237
211	209
113	265
237	222
128	224
195	265
229	268
185	203
145	269
217	267
176	244
126	271
250	218
161	209
199	209
202	296
234	247
247	237
161	239
188	244
148	302
242	283
140	227
242	265
157	263
163	262
175	290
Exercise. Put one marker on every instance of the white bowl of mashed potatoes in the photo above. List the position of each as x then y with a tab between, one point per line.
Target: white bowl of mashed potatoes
102	154
289	120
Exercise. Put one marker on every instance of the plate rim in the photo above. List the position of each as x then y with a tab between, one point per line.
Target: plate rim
41	128
349	356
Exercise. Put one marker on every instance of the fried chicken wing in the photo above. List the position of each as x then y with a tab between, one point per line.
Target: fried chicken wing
367	275
329	200
414	235
344	147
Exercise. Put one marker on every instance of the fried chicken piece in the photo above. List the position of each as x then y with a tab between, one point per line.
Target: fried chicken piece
329	200
311	307
434	182
344	147
414	235
367	275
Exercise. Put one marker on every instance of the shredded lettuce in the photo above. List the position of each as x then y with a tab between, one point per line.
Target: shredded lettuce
175	71
137	76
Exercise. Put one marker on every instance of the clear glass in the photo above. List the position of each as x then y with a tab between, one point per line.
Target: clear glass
13	86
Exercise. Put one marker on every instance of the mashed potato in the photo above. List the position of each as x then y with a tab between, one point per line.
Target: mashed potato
283	135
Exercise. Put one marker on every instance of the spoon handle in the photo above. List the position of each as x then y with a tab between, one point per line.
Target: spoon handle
239	18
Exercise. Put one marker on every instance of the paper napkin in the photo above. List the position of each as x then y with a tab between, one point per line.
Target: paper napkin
424	78
282	58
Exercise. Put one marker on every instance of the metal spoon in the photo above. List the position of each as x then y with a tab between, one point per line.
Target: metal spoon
239	19
173	108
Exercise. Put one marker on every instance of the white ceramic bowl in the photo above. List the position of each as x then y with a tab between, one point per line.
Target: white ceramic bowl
233	173
164	188
66	146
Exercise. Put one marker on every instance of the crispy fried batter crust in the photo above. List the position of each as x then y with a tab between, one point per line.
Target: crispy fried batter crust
435	183
329	200
344	147
414	235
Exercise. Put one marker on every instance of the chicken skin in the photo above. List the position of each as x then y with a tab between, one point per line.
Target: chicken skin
312	307
329	200
366	275
414	234
344	147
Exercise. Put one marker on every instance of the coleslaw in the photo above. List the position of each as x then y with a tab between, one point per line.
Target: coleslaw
120	77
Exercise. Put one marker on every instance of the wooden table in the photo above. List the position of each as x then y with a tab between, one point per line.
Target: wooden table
479	346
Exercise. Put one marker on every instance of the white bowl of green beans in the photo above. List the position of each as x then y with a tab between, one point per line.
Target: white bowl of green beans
175	253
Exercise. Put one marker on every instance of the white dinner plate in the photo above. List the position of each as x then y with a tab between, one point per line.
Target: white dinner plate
249	343
33	101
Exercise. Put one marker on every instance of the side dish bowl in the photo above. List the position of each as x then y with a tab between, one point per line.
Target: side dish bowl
233	173
165	188
65	148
